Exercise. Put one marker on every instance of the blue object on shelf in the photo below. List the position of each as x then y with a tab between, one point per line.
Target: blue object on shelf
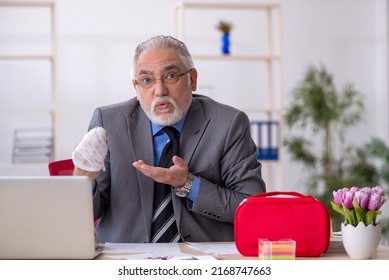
226	43
266	136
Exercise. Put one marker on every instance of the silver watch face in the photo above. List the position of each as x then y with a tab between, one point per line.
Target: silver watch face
181	193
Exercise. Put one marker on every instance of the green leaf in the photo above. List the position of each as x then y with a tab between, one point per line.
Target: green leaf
337	208
350	215
359	213
371	217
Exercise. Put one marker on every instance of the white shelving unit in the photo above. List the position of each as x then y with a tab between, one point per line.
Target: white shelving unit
269	56
25	7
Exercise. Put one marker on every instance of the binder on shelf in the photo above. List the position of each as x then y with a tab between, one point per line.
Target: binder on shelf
266	136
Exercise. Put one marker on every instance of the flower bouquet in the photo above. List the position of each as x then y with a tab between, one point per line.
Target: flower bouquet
361	233
359	204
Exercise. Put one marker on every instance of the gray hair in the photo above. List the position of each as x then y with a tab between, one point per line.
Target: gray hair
163	41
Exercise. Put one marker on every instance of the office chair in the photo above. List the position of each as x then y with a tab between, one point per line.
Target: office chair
61	167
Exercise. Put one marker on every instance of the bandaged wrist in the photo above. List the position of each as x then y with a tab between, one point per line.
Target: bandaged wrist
90	153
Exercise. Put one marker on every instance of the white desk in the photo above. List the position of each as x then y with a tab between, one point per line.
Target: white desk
186	250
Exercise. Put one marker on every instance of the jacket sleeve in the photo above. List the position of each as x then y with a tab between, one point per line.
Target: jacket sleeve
234	172
102	184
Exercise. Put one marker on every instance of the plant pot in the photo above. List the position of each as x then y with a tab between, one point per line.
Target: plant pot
361	242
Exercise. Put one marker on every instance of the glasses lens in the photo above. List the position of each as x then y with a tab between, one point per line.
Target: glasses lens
146	82
169	79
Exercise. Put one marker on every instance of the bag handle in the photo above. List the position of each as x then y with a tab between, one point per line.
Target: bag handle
275	193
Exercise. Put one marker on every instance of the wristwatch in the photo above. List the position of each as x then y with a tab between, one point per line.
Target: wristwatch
185	189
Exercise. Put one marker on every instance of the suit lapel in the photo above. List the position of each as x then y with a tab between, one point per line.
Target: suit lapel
194	128
141	142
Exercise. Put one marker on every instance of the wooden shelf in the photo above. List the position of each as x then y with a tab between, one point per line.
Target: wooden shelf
235	6
50	5
270	56
237	57
27	57
26	3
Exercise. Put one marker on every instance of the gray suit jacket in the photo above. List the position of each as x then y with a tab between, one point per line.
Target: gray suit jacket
217	145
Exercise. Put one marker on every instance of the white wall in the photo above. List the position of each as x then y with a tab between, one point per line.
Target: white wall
96	40
350	38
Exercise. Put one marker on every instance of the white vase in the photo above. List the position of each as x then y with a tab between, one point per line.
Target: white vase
361	242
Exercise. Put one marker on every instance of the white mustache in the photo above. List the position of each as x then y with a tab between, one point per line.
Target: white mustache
159	100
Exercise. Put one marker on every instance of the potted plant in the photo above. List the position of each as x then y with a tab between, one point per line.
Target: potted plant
361	231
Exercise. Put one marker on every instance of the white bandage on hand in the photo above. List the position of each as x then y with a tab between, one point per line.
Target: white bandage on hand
90	152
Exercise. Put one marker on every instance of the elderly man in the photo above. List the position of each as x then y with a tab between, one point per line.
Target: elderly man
188	190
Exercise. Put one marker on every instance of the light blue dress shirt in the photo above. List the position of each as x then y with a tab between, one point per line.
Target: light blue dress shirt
160	139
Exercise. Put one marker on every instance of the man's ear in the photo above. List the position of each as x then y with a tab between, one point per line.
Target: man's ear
136	89
193	79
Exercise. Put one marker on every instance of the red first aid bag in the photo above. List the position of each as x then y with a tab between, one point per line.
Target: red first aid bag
283	215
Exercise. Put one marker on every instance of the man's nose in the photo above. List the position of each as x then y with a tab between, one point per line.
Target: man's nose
160	88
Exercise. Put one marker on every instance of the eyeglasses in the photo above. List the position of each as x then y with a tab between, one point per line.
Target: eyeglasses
169	78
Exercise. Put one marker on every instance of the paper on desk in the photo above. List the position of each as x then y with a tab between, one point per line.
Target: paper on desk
138	248
148	251
216	248
148	256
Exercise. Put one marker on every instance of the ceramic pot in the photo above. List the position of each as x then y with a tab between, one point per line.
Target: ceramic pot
361	242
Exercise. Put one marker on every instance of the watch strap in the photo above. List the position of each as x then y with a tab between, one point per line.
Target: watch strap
185	189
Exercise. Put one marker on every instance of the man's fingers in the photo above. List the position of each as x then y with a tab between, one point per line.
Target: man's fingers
80	172
175	175
144	168
138	163
180	163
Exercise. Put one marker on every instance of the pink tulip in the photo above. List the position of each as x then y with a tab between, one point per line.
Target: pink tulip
338	197
378	189
347	198
362	198
375	202
353	190
367	190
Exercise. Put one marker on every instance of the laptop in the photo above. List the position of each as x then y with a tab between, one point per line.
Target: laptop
46	218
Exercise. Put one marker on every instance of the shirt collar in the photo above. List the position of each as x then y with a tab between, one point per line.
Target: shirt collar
179	126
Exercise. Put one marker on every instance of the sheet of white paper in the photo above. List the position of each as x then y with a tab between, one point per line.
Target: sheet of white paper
138	248
148	256
216	248
148	251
